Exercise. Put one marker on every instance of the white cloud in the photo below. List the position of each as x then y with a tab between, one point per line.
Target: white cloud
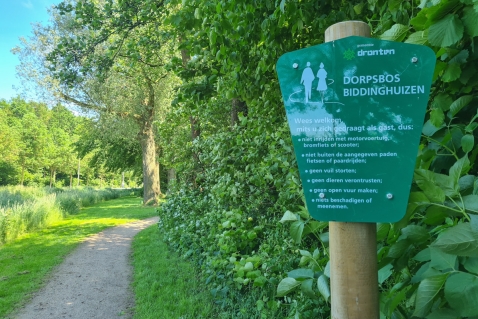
27	4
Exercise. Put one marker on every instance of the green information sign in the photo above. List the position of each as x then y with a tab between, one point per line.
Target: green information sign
355	108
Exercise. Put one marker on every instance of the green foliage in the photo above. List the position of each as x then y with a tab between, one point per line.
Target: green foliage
238	177
39	145
246	255
248	170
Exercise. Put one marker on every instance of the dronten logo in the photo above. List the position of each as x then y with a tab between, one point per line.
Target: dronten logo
349	55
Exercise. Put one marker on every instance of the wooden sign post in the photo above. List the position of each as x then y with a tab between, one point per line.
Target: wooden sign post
353	246
355	107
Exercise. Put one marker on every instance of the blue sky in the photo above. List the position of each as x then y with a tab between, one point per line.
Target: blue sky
16	17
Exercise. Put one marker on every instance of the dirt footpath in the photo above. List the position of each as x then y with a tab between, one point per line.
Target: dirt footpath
94	281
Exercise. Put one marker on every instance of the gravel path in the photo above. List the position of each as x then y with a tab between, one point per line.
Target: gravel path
93	281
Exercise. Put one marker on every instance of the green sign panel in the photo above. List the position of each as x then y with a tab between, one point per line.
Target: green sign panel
355	108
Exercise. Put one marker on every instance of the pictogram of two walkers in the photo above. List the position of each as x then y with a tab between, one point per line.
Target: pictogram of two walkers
308	77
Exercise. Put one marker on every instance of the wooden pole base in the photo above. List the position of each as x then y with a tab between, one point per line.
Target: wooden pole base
353	270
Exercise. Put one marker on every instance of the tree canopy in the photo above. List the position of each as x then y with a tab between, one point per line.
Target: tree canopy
41	146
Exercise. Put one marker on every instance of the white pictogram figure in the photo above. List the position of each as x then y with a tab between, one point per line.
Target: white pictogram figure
307	79
322	76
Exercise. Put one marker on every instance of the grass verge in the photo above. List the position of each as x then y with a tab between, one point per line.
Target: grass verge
165	285
25	262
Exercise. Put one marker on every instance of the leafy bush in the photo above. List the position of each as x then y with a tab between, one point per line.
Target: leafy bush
245	181
229	225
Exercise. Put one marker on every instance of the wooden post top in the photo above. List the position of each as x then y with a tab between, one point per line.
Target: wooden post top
345	29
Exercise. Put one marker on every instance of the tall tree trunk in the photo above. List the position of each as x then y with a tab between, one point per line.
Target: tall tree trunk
194	120
122	180
78	183
171	175
195	130
51	178
159	174
71	180
238	106
150	168
151	184
23	175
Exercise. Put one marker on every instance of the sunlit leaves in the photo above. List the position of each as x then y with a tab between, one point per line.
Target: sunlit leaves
301	273
419	37
467	142
442	101
323	286
459	168
296	230
437	117
397	32
288	216
287	285
441	260
426	181
384	273
237	45
470	203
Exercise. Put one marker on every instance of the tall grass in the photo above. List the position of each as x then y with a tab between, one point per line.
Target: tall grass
23	209
18	219
12	195
71	201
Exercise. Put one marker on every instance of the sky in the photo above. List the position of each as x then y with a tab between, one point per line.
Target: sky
16	17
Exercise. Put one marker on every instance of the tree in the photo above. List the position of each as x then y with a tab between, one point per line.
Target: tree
95	62
60	156
33	135
9	138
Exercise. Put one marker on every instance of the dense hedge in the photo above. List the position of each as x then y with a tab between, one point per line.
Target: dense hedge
240	215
